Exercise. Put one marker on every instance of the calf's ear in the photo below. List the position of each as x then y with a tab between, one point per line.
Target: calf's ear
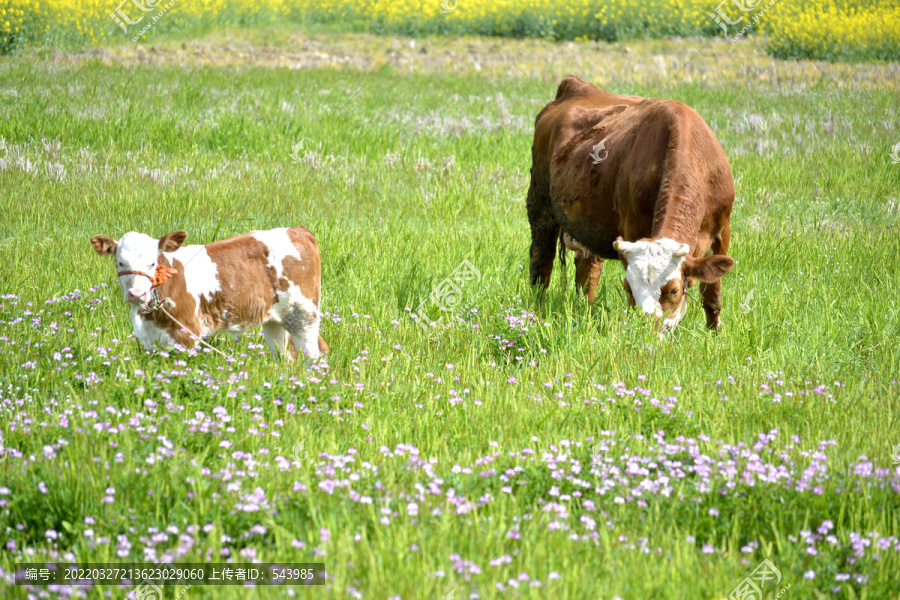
172	241
103	245
621	246
709	269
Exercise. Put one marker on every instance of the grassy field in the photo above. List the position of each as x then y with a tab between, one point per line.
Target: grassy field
533	450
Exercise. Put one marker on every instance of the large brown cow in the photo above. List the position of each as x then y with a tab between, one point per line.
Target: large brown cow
637	179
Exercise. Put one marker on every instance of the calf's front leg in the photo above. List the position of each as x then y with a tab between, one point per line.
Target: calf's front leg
300	317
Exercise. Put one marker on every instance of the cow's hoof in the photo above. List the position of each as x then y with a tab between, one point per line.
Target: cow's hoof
714	324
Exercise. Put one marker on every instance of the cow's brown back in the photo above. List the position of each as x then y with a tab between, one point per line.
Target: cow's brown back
663	173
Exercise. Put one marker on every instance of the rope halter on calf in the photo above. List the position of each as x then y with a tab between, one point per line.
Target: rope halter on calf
161	276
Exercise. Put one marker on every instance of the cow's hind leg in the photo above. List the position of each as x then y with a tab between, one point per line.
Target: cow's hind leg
711	293
544	231
587	275
277	340
544	235
542	255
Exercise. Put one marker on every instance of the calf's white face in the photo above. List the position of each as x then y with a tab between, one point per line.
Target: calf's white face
657	273
137	252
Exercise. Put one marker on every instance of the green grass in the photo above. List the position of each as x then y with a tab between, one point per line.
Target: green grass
202	142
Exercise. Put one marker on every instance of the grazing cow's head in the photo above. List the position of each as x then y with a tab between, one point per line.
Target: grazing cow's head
137	256
657	273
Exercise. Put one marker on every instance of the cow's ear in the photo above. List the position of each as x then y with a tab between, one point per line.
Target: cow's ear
103	244
172	241
709	269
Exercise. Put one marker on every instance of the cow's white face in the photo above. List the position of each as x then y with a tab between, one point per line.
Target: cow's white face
137	252
657	273
653	278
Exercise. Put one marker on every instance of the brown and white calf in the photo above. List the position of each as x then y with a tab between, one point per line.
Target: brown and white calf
659	200
269	278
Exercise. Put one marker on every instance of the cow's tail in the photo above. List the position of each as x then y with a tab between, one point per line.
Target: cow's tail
562	250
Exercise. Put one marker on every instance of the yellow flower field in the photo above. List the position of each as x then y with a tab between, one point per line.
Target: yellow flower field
830	29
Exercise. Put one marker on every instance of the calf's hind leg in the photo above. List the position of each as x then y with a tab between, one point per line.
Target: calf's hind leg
277	340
